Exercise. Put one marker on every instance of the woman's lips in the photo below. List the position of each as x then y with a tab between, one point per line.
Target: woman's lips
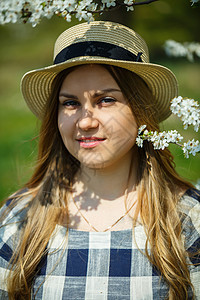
90	142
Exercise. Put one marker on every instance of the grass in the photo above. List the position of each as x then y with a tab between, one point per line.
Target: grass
24	48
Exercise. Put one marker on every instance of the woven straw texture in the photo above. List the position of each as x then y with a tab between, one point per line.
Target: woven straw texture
36	84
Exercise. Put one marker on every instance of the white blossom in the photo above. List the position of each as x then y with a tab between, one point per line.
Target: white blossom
59	5
35	18
2	19
129	4
92	7
131	8
48	12
71	5
4	6
141	128
139	141
89	17
68	17
194	1
64	13
173	136
12	11
191	147
27	11
102	6
16	6
161	140
188	110
173	48
11	17
80	14
84	3
83	14
109	3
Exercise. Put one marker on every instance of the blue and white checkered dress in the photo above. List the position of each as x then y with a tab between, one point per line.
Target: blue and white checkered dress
102	265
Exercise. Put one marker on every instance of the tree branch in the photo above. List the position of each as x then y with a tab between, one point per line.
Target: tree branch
144	2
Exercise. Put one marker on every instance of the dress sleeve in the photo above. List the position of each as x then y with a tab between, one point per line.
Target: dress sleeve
6	250
9	238
191	233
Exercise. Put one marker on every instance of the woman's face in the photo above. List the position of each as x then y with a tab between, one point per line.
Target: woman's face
96	124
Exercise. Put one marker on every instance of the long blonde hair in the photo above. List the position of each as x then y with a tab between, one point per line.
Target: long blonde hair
54	173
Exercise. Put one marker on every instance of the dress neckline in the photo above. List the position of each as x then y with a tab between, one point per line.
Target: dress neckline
74	230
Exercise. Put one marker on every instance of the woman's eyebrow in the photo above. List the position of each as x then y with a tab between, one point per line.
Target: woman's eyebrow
95	94
102	92
64	94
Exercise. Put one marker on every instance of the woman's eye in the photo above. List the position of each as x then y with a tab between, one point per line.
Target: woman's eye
71	104
106	101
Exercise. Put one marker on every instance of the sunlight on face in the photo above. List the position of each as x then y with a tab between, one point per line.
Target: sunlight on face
95	122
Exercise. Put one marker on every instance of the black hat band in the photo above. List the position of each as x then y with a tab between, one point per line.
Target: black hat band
94	48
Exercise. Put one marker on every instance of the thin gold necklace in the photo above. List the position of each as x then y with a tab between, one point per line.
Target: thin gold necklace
125	198
111	226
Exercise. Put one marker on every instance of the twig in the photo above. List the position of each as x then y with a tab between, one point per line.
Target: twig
144	2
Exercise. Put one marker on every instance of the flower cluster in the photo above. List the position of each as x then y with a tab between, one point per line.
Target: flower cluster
173	48
12	11
160	140
189	112
191	147
33	11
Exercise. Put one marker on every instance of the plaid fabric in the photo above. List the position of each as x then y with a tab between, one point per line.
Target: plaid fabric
101	265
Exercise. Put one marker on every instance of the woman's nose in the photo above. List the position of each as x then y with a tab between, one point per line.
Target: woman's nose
87	121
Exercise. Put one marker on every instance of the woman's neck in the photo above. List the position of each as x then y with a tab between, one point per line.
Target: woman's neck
104	198
108	183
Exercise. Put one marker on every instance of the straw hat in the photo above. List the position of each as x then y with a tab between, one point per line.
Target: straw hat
100	42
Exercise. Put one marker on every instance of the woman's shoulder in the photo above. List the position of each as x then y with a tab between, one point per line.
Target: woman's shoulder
193	193
189	207
15	207
190	201
190	211
12	215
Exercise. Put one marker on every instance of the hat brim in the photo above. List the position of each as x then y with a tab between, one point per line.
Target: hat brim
36	85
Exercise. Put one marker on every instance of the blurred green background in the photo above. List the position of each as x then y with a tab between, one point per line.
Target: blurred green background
24	48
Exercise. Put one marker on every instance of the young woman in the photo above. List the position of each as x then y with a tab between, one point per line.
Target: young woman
100	218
